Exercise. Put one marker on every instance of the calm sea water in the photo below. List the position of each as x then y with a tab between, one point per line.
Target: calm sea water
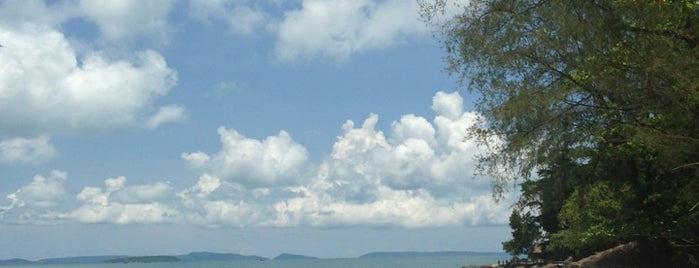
406	262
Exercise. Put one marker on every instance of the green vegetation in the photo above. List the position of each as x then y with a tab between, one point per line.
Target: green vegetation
593	107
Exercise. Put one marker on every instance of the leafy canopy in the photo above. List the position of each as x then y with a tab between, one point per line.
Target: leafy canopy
599	99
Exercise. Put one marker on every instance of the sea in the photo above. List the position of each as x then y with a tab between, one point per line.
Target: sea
398	262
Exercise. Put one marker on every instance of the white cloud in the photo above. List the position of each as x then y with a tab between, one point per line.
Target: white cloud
38	201
274	160
26	151
333	29
42	191
45	200
418	155
117	213
44	88
118	204
419	175
119	19
166	114
93	196
449	105
409	209
413	127
422	176
143	193
237	214
215	202
196	160
338	28
207	184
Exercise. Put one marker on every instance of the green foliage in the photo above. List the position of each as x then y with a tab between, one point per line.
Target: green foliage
592	216
600	99
525	230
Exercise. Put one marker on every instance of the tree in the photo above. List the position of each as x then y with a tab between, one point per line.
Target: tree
597	97
525	230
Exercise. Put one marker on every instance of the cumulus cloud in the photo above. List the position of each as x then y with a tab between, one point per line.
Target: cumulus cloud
26	151
118	204
46	200
216	202
449	105
338	28
37	201
418	154
275	160
47	88
420	175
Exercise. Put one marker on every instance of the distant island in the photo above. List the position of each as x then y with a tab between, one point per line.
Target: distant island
287	256
144	259
210	256
66	260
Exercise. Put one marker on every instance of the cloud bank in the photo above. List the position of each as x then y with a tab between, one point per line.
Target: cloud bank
118	204
420	174
327	29
304	29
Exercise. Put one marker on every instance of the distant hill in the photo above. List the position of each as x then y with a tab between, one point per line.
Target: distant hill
210	256
67	260
287	256
144	259
14	262
400	254
77	260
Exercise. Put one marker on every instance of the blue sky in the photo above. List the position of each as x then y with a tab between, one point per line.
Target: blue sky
326	128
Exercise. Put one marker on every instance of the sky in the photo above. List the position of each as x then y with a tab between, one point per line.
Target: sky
318	127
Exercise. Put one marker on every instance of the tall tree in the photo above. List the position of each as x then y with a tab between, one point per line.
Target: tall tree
601	99
525	230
